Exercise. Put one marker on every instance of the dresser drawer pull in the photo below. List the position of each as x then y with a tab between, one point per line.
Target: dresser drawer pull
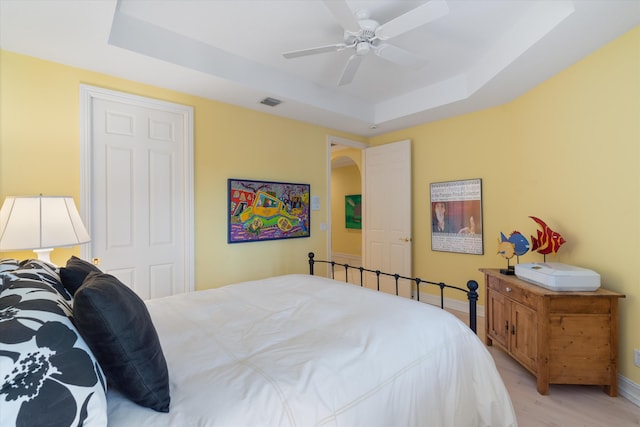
508	289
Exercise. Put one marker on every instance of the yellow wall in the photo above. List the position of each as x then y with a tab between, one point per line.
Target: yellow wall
568	152
345	181
39	153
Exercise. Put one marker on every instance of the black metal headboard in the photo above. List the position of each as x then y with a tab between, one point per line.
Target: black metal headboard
472	285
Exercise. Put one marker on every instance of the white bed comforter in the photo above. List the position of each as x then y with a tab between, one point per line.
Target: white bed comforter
302	350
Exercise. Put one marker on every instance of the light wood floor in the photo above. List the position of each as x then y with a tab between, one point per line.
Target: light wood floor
565	405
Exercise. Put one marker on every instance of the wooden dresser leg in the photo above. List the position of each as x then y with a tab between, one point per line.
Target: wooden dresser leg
611	390
543	386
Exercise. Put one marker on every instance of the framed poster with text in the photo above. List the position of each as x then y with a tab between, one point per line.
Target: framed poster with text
456	216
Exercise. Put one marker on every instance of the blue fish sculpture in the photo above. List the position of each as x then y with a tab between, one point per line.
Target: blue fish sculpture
505	249
519	242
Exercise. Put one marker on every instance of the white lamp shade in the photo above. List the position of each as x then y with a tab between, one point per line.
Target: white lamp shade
35	222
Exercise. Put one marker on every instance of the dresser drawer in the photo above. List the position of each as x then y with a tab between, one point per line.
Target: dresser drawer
511	291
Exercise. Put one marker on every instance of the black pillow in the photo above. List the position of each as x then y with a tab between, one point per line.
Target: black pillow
74	273
116	325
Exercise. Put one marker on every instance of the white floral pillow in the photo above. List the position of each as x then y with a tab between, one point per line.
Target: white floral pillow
37	270
8	264
47	372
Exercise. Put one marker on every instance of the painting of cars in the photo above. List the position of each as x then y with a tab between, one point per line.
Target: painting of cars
267	210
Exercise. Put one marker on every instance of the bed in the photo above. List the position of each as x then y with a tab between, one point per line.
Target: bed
292	350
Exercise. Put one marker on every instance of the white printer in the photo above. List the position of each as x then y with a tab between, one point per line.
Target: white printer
558	277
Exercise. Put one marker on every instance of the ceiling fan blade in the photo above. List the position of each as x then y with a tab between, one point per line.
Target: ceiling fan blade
421	15
343	14
399	56
350	70
315	50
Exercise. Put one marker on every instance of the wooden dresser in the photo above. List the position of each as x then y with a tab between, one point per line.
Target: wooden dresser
560	337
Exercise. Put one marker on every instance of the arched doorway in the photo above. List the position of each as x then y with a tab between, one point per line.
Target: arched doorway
346	206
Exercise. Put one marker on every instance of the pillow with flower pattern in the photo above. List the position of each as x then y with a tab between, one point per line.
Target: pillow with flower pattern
37	270
48	375
7	265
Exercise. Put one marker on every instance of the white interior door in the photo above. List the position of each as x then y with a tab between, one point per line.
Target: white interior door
387	218
139	193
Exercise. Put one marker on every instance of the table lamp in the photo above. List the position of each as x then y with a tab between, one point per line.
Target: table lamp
41	223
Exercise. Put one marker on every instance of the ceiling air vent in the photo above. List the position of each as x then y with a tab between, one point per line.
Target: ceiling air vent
271	102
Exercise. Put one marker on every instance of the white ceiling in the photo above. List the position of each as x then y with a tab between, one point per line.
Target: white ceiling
481	54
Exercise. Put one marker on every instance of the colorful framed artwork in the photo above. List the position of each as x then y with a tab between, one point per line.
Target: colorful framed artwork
456	216
267	210
353	211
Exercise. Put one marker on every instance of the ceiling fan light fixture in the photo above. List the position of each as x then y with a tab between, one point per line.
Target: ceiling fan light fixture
368	27
362	48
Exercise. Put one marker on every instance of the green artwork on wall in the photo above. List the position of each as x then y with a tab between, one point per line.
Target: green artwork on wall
353	211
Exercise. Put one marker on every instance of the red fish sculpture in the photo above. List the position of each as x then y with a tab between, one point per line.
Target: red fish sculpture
548	241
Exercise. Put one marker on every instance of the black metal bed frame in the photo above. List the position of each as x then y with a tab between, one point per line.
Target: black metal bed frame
472	285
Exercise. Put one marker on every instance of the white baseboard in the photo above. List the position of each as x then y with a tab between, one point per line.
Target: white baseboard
344	258
453	304
629	390
352	261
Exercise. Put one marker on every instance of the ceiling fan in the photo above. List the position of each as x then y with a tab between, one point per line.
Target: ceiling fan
363	34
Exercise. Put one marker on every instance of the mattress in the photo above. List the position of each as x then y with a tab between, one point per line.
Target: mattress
301	350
